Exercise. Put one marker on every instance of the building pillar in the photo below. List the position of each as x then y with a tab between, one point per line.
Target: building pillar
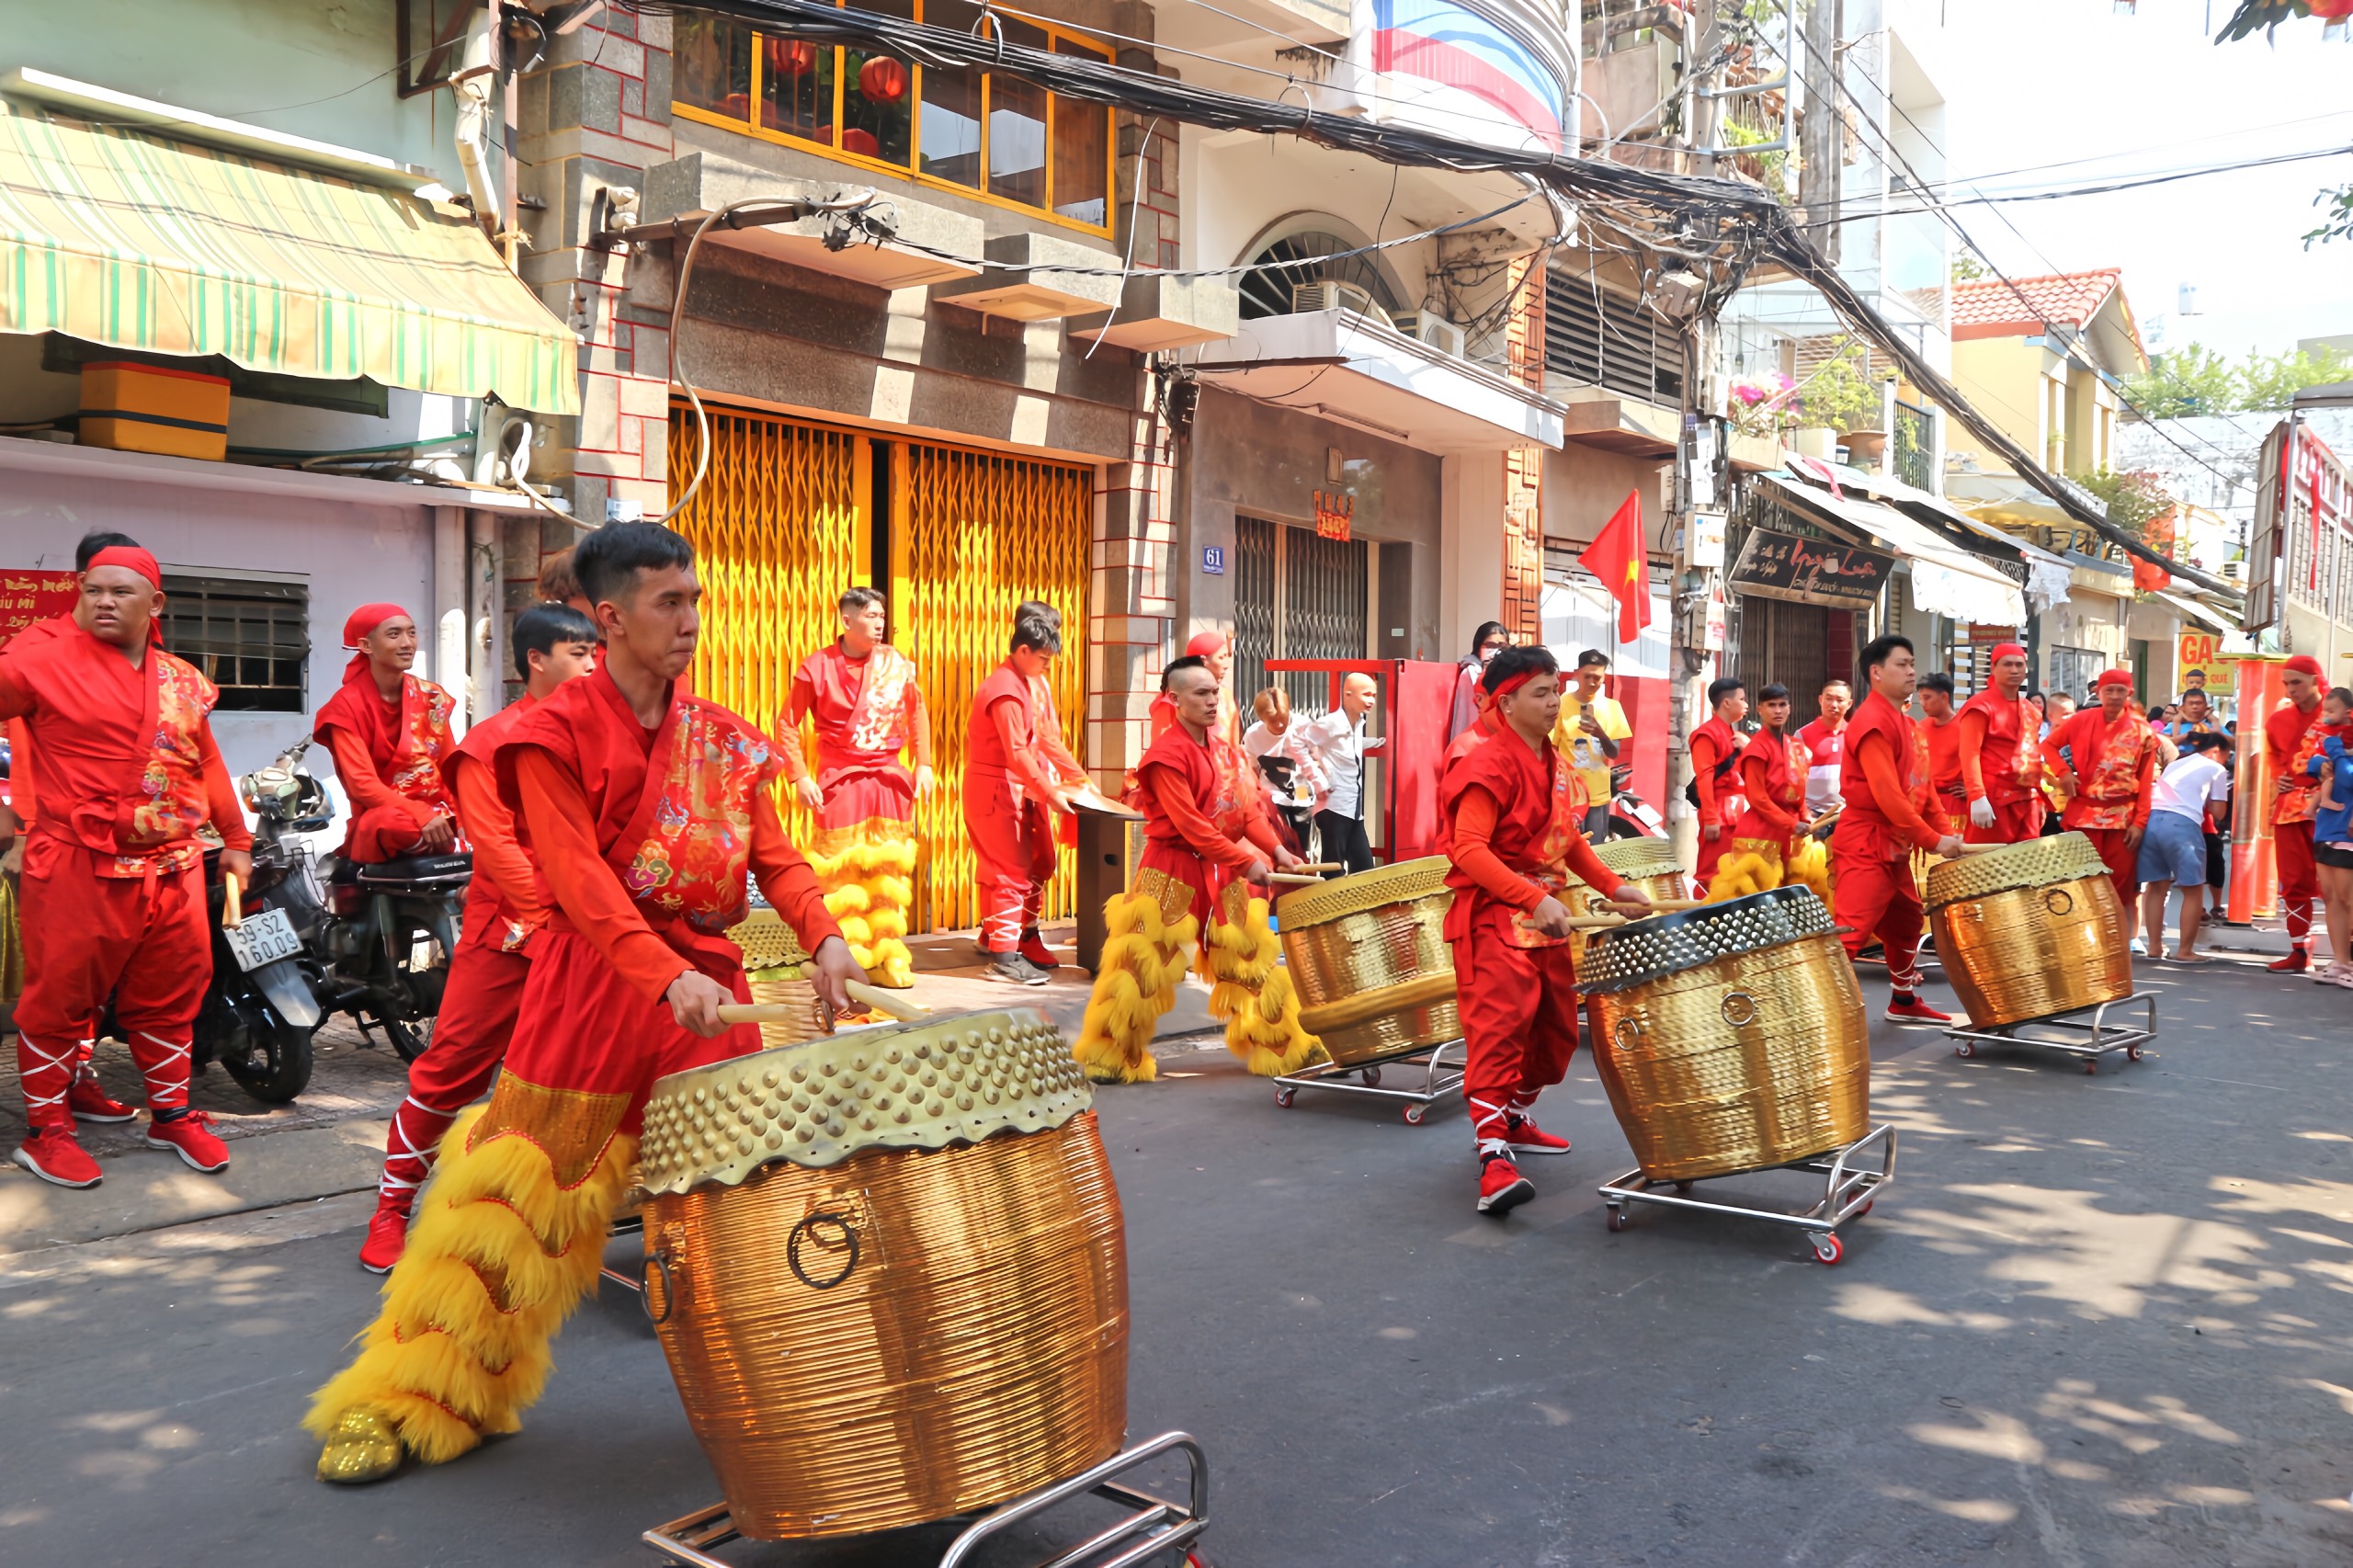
448	634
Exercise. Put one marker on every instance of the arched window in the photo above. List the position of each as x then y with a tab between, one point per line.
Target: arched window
1308	250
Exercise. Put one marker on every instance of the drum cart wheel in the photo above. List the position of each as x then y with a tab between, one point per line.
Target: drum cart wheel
2084	1033
1442	1067
1151	1527
1852	1176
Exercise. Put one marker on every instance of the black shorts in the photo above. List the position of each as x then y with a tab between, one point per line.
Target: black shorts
2335	854
2218	860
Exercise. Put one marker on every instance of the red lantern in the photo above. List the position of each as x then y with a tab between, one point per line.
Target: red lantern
862	143
883	80
791	56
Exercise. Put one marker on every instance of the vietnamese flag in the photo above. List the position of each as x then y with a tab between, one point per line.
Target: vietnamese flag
1621	560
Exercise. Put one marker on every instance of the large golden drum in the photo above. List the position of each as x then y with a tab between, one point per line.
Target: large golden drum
1649	863
1731	1037
2030	931
888	1270
1368	957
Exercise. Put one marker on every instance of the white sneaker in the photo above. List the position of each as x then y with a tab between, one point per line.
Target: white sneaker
2140	948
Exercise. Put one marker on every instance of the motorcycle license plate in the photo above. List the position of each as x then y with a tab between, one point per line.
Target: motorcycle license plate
265	938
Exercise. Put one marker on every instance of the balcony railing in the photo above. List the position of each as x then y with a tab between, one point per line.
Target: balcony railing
1913	446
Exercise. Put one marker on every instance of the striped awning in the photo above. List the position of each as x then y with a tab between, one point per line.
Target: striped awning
143	243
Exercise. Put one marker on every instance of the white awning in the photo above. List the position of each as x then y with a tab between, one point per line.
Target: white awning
1946	579
2190	609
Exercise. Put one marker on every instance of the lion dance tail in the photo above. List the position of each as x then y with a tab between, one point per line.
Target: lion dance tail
1143	959
868	873
1253	994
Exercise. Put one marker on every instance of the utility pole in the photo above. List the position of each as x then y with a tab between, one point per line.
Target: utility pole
1701	108
1822	137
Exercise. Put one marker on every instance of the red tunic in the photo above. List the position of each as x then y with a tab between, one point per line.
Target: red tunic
505	907
1013	747
1999	762
867	710
1772	778
2288	745
2114	767
1200	806
1884	792
1944	766
1711	743
389	757
1533	849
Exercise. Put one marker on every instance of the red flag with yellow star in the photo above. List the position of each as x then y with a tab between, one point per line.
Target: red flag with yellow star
1620	558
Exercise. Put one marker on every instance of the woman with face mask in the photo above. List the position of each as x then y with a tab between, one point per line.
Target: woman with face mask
1485	643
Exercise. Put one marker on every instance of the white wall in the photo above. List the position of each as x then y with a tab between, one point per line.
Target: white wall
347	554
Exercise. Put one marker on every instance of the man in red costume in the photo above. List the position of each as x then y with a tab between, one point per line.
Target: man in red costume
1215	650
2108	786
388	733
86	1096
505	910
643	810
1940	733
1513	814
1715	758
2292	737
1772	784
1208	844
113	892
1016	775
1825	746
867	707
2001	765
1874	894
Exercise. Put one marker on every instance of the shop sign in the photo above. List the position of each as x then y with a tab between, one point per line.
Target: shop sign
1810	571
1333	513
28	596
2199	654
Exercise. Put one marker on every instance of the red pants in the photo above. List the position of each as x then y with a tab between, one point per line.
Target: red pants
2291	850
1709	854
1520	1022
387	833
477	1019
1877	900
854	796
2123	861
2014	822
143	941
581	1029
1014	846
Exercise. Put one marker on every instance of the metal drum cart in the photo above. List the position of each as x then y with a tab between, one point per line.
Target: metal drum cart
1375	975
2033	937
1733	1041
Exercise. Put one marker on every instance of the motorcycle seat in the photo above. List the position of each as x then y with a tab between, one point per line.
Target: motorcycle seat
411	871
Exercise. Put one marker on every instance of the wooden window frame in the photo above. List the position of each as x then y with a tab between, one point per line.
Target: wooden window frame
910	170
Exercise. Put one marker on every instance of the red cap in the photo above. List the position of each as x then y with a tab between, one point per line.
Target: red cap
2115	677
143	562
1205	644
2009	651
365	619
2302	664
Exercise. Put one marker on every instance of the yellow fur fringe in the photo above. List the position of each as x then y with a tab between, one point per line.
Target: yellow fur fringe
1746	871
498	1257
869	884
1135	983
1254	995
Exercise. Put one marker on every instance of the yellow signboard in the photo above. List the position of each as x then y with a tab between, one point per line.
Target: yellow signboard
2200	653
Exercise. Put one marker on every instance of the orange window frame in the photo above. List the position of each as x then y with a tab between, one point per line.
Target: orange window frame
910	170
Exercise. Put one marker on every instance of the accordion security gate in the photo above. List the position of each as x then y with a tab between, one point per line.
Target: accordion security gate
786	520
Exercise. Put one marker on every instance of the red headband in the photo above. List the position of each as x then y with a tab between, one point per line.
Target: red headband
1205	644
133	558
365	619
2009	651
2116	677
1512	684
2303	664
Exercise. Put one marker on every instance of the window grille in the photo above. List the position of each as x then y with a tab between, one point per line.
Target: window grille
1597	338
250	638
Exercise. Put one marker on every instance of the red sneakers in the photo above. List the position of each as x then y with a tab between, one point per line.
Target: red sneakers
190	1137
1916	1012
387	1236
1525	1138
1501	1186
2297	961
1033	948
89	1102
54	1155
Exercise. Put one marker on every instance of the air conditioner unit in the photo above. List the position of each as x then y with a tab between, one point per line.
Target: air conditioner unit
2233	571
1428	327
1330	294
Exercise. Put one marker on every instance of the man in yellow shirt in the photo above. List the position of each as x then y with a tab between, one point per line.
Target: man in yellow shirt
1587	733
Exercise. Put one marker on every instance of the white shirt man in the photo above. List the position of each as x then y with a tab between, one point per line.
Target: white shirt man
1339	744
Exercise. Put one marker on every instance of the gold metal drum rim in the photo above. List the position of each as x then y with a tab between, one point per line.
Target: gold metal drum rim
959	1079
1635	859
1418	992
1401	883
2038	862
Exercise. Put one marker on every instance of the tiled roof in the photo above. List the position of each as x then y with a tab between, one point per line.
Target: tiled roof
1990	308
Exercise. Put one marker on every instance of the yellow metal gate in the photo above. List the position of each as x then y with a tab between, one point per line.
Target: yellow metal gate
784	522
973	535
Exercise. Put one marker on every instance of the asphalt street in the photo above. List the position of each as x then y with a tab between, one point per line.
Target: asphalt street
2097	1321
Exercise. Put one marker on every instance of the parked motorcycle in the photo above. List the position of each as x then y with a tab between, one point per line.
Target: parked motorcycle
262	1006
374	940
1631	816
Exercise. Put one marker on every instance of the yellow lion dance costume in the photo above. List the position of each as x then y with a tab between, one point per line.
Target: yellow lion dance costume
1758	865
868	873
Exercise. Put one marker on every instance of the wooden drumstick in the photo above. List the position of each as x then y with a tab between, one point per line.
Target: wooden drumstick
232	908
887	1002
1319	866
1292	879
882	1001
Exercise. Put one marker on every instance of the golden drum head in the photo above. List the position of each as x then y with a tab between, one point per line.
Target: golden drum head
1732	1038
2030	930
889	1325
1638	859
1368	957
